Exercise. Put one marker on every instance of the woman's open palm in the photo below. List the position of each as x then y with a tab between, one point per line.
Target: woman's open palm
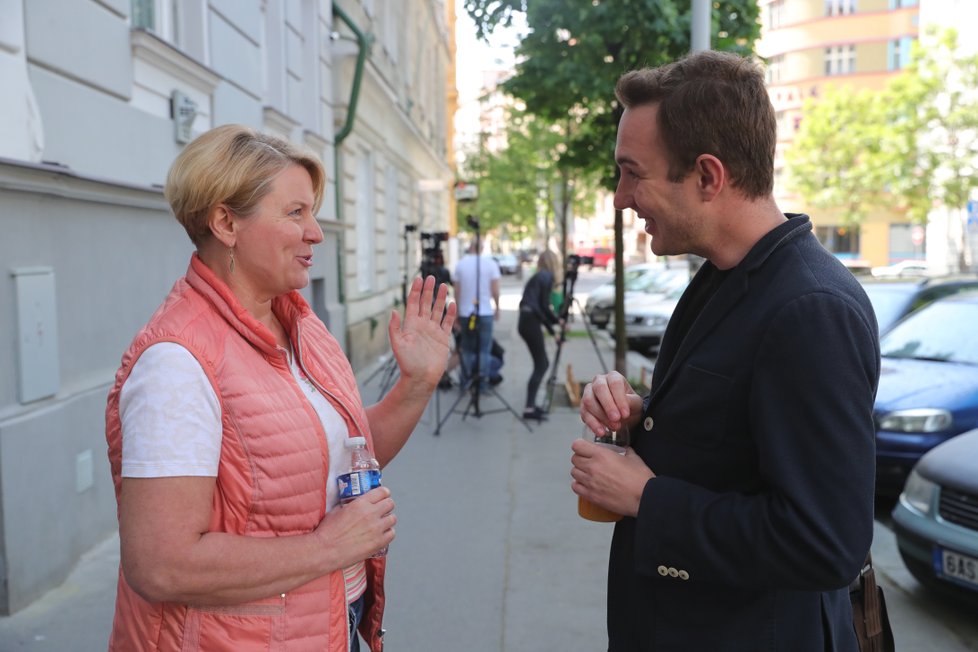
420	340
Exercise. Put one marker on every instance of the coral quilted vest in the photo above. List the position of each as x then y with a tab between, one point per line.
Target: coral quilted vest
271	479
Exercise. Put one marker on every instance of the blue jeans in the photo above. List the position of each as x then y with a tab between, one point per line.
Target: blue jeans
355	614
478	342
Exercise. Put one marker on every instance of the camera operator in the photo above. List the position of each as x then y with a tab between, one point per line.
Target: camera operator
433	260
536	313
476	311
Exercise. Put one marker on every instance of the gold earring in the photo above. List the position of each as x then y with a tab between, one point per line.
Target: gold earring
231	255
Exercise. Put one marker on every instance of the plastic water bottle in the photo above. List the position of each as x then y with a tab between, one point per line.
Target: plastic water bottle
363	476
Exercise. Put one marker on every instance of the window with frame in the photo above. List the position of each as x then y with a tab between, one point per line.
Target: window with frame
840	7
898	53
840	60
839	239
393	230
775	69
157	16
366	224
775	14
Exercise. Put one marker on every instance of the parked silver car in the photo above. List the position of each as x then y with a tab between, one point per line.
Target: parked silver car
508	263
600	304
936	518
646	317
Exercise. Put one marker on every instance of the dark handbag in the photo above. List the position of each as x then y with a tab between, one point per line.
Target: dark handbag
869	617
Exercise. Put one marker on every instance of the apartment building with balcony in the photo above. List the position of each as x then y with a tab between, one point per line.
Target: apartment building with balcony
808	44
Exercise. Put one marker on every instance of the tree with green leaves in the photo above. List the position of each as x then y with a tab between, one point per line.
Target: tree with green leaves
837	159
522	182
573	54
934	145
910	148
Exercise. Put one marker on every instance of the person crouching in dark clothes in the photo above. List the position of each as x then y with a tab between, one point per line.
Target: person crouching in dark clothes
536	314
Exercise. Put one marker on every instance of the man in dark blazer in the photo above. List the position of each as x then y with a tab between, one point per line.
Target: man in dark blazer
747	494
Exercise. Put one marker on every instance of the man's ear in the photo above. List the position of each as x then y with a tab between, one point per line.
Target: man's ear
222	225
711	176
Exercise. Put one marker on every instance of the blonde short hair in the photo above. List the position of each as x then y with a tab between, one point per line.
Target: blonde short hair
232	165
549	261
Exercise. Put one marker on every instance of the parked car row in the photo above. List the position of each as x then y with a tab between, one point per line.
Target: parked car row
926	417
641	280
928	389
895	298
902	269
508	263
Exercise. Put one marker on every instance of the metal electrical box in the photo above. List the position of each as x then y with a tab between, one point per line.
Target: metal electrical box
37	333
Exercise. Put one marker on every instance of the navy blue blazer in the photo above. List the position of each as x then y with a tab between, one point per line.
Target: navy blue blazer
759	428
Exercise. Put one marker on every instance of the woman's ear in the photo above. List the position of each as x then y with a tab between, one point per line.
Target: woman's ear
222	225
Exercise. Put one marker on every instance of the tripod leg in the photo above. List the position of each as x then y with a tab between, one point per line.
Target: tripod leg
590	334
390	375
552	380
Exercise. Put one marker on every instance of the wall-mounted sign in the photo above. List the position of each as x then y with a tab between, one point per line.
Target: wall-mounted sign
184	111
466	191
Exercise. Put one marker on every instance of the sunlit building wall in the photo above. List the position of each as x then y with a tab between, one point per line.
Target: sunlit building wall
808	44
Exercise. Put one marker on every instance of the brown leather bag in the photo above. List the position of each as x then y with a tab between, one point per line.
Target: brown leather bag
869	617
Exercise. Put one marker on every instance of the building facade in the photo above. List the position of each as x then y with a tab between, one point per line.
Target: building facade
99	97
859	43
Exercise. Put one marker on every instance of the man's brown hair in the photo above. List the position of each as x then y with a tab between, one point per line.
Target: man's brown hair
710	103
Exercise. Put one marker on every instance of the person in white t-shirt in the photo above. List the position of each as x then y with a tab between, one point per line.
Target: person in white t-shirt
227	424
477	295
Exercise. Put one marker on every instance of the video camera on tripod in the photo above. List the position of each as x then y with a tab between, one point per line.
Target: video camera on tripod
573	262
432	258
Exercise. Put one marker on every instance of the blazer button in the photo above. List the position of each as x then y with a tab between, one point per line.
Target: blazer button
673	572
663	571
648	424
683	575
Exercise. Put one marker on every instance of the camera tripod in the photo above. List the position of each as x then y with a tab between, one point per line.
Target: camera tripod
474	385
389	371
570	278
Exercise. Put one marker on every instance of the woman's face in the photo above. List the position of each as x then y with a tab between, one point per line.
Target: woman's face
273	248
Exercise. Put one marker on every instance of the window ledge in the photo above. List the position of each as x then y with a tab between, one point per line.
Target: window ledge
157	53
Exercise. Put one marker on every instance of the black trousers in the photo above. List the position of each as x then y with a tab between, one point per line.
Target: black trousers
531	330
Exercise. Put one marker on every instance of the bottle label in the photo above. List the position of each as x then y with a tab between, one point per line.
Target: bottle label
356	483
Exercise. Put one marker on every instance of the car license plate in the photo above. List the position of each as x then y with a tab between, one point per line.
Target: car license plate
958	567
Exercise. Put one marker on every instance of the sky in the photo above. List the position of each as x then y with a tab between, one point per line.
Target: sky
474	56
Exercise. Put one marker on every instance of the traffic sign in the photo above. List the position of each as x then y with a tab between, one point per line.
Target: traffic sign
466	191
917	235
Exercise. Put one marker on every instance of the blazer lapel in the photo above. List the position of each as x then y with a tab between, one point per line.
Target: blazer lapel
726	297
673	353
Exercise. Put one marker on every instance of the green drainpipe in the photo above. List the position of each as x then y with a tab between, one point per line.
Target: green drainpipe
364	41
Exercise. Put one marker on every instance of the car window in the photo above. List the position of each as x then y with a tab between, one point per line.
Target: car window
944	330
889	302
666	281
639	282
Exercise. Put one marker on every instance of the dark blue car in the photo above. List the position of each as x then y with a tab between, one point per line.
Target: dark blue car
928	389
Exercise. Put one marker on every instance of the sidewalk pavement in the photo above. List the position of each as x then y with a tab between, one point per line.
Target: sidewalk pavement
490	555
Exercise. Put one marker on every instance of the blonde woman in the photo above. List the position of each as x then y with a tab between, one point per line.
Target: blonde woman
227	423
536	314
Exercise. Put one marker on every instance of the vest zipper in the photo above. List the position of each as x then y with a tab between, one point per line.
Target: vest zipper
349	413
315	383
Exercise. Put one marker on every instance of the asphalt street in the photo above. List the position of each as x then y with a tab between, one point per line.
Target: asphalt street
490	555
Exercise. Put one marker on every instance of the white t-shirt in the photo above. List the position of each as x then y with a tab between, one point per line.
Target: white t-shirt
465	273
171	419
171	426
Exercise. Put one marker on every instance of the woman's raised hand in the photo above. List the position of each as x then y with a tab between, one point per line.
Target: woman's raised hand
421	340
